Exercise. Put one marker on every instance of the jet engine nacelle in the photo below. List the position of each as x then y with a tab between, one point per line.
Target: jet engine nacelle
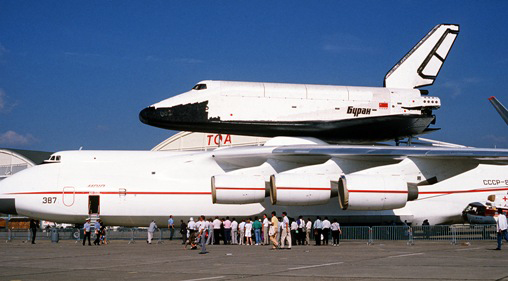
373	192
238	189
299	190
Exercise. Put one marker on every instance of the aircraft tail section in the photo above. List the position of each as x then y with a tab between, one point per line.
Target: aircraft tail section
421	65
500	108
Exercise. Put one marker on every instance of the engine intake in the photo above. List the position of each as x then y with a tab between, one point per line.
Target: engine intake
238	189
299	190
373	192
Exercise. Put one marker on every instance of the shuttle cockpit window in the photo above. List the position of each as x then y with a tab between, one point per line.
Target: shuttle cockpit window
53	159
199	87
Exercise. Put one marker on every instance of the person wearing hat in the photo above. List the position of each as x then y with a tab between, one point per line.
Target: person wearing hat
86	232
191	226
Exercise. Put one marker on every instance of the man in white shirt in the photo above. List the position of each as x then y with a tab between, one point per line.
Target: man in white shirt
216	230
266	226
502	226
191	226
234	232
151	230
326	230
301	231
308	228
336	232
241	227
294	232
286	234
203	227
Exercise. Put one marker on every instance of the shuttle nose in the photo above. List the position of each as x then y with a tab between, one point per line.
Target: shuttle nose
147	115
153	116
178	117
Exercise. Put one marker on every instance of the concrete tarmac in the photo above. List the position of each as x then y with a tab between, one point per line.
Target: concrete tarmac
384	260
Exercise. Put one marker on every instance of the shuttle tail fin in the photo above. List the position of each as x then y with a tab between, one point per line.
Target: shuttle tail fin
500	108
421	65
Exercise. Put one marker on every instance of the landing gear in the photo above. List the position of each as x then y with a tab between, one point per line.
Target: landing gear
408	142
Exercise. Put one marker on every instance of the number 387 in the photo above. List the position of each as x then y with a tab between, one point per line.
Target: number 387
48	200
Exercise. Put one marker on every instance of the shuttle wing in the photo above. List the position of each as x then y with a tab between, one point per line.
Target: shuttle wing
421	65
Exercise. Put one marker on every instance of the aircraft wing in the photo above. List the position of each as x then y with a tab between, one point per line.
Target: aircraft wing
398	152
315	154
500	109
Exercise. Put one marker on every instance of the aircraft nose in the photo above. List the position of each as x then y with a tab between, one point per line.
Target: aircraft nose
152	116
7	203
147	115
178	117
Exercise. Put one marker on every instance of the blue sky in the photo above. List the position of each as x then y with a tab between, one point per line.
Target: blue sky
76	73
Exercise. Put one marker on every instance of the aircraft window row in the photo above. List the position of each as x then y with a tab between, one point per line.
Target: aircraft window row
429	101
199	87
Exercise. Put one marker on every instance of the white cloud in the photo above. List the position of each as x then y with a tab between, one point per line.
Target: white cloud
5	105
2	100
456	86
496	139
188	60
13	138
102	128
346	43
152	59
3	50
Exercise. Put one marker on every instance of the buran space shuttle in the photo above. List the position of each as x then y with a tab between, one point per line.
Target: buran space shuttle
338	114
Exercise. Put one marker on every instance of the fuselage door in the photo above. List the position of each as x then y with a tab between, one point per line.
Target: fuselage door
68	196
93	204
122	192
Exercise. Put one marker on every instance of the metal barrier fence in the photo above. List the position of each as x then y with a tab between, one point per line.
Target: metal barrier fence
451	233
355	232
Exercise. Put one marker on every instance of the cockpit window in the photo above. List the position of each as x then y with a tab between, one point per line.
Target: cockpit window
53	159
199	87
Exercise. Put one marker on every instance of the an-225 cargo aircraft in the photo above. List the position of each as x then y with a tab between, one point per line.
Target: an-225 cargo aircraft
303	176
340	114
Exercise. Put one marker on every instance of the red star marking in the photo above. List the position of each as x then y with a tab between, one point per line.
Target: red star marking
504	198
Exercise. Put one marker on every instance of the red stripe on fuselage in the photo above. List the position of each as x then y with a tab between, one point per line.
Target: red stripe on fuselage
303	188
283	188
114	193
378	191
463	191
239	188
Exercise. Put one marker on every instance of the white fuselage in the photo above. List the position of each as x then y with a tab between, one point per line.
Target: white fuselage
136	187
280	102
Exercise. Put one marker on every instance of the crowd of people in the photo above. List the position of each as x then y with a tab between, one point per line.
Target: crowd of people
280	232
